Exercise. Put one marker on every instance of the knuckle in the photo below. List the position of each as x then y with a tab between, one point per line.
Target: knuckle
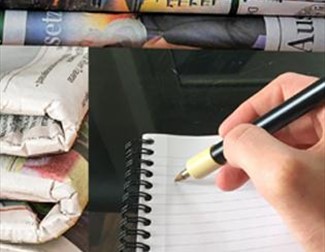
239	135
239	139
287	76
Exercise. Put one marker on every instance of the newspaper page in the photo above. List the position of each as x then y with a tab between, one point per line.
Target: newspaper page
44	98
233	7
165	31
42	197
75	239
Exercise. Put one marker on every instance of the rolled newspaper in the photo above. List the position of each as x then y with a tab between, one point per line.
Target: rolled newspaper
44	98
251	7
299	34
58	181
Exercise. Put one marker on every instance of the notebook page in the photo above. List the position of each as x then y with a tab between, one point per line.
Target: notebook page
195	214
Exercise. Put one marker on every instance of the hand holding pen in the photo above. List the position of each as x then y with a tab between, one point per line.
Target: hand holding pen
287	168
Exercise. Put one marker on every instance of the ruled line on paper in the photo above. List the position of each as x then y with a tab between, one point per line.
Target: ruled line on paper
216	222
215	193
254	238
258	248
216	231
229	250
214	201
217	211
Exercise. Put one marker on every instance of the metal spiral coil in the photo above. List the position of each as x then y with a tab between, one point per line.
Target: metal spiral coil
135	187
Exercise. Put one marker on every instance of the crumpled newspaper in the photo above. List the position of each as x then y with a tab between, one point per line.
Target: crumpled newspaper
43	98
59	180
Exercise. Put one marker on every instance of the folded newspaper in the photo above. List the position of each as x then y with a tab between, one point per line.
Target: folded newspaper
75	239
44	98
298	34
42	197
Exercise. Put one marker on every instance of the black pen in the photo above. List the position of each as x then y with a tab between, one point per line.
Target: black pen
212	158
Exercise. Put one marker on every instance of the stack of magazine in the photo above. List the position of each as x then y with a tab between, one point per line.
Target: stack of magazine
43	148
270	25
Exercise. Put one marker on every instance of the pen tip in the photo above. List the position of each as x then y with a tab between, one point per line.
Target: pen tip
182	176
179	177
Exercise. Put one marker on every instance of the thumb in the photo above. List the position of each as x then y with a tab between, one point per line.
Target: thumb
255	150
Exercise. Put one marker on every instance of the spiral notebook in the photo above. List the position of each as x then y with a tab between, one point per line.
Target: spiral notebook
160	215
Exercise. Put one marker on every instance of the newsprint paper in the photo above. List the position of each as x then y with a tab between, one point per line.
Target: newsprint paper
42	197
43	98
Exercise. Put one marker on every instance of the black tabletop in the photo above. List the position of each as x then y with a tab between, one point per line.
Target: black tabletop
134	91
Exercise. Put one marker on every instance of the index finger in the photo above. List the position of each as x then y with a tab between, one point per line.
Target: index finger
275	93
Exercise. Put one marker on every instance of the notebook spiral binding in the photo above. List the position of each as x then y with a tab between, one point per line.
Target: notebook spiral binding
136	186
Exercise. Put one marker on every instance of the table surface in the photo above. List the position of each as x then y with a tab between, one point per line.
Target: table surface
134	91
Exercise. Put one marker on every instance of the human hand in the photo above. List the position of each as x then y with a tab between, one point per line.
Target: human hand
288	169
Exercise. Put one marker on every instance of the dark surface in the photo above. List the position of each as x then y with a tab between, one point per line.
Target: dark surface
178	92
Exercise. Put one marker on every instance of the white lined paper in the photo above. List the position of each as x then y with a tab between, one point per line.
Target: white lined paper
195	214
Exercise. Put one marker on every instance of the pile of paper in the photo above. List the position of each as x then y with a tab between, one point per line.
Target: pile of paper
43	181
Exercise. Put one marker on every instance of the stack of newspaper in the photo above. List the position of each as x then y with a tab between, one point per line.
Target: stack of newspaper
271	25
43	147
